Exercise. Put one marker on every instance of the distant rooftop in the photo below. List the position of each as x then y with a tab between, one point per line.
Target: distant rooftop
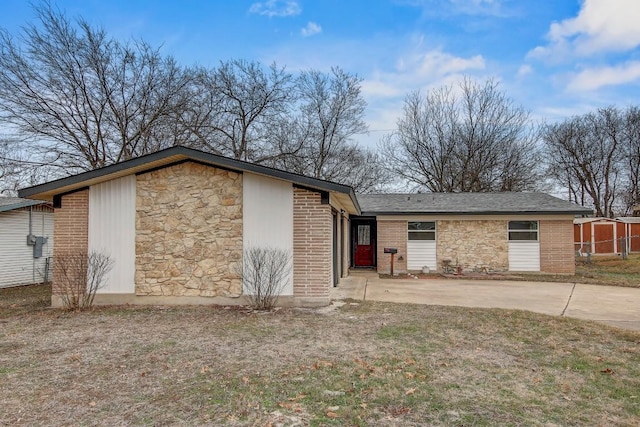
11	203
629	219
467	204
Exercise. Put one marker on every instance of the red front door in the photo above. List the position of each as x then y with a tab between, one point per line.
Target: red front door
364	246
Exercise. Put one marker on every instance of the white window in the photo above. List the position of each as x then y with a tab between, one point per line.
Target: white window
523	231
422	230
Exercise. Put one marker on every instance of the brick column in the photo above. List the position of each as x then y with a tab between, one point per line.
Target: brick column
70	228
557	253
312	251
392	234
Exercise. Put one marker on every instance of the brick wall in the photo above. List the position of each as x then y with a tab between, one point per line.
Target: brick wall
392	234
71	230
312	251
556	247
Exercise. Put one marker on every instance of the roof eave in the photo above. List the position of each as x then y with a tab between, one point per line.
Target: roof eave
433	213
178	153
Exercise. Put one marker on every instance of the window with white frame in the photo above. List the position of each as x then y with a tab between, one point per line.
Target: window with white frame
524	231
422	230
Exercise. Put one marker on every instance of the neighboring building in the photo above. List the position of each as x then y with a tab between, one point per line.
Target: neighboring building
482	232
26	241
598	235
632	232
176	223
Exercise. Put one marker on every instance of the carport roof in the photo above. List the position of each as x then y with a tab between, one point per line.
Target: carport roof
467	204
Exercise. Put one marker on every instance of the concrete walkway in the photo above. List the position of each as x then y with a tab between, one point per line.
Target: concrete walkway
612	305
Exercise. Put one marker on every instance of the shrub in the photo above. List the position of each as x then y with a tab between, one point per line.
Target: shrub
264	271
78	276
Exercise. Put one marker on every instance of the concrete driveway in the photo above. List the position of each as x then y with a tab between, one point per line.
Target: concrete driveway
612	305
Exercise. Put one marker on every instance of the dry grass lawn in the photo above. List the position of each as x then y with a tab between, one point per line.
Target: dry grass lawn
603	270
362	364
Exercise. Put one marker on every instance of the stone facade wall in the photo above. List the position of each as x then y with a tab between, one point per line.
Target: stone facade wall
556	247
312	251
473	244
392	234
70	229
188	231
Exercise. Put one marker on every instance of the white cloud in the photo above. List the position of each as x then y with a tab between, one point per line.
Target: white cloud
525	70
478	7
311	29
595	78
272	8
459	7
425	69
601	26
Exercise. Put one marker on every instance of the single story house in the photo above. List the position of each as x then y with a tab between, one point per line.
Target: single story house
177	222
598	235
632	231
481	232
26	241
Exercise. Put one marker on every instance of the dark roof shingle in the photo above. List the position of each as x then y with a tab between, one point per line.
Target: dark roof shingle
466	204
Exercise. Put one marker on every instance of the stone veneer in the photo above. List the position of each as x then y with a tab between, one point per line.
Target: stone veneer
557	254
188	231
71	229
473	244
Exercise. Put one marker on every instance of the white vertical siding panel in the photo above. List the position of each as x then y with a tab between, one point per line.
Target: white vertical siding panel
421	253
267	216
112	230
17	264
524	256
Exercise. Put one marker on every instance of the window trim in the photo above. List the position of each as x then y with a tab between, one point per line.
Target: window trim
515	230
435	227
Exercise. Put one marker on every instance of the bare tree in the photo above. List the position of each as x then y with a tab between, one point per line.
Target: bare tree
236	104
18	169
88	98
317	140
474	140
631	156
584	153
264	272
10	162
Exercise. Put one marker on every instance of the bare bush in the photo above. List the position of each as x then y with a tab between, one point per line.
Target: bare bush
78	276
264	271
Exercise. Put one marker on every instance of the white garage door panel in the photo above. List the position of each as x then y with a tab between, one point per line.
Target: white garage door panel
524	256
421	253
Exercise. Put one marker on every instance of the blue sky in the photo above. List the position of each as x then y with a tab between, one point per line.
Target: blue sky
555	57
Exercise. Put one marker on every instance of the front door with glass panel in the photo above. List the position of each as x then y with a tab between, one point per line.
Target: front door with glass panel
364	246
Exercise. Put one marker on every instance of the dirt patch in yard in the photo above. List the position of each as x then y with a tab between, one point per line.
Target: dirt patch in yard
361	364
